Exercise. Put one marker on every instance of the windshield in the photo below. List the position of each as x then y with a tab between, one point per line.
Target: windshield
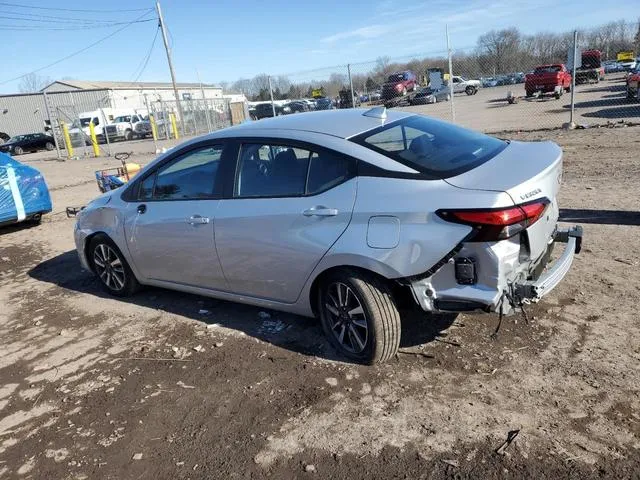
84	122
435	148
17	138
124	118
548	69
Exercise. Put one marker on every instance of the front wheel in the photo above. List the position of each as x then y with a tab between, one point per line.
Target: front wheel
128	135
359	316
18	151
49	146
568	88
111	267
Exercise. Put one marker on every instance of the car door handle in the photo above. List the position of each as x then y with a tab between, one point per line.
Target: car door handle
198	220
320	212
142	208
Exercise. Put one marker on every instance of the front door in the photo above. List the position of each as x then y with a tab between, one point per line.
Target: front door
170	226
289	206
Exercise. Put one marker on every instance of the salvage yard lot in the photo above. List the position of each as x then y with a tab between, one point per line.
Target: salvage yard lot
170	385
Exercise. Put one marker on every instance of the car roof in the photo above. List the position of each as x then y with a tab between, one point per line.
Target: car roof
338	123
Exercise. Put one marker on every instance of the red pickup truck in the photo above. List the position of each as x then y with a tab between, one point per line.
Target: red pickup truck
554	79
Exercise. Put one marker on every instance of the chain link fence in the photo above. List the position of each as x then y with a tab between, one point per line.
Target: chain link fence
506	82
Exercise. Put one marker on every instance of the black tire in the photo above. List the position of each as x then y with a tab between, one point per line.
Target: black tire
18	150
470	90
101	247
128	135
568	89
49	146
379	312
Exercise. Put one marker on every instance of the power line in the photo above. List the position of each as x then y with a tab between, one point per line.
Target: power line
30	17
72	9
146	60
62	27
77	52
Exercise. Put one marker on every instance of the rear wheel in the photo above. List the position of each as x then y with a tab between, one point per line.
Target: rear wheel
359	316
470	90
111	267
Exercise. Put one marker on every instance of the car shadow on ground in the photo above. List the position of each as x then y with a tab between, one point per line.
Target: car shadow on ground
292	332
16	227
602	217
624	112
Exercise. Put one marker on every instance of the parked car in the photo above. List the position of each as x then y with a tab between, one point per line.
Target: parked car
398	84
375	95
489	82
342	215
126	127
554	79
626	65
29	143
265	110
461	84
430	95
324	103
24	196
297	106
611	66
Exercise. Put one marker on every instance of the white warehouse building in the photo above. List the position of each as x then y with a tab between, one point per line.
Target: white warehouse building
64	99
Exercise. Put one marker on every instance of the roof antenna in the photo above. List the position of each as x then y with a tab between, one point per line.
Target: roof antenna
376	112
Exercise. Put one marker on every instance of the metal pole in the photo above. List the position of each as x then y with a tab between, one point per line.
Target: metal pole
82	134
53	128
173	74
206	103
104	132
353	100
453	110
573	79
273	107
146	103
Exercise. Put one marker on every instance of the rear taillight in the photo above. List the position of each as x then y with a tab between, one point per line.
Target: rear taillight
497	223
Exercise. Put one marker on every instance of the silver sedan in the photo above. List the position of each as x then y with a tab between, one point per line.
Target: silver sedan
331	214
429	95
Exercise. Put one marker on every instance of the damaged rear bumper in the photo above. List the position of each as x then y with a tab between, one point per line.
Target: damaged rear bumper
535	290
503	282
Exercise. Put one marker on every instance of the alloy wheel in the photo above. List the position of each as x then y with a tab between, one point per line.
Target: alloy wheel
347	319
109	267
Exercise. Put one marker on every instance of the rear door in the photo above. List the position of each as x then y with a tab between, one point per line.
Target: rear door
289	203
169	224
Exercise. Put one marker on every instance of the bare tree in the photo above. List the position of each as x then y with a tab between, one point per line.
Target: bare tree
32	82
500	48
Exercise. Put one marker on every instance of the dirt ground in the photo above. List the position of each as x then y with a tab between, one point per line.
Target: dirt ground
169	385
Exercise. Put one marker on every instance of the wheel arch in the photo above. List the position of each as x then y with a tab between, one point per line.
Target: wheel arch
365	265
87	242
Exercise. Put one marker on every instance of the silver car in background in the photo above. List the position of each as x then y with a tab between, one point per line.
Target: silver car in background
331	213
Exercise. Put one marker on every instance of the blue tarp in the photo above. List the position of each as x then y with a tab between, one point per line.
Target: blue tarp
23	191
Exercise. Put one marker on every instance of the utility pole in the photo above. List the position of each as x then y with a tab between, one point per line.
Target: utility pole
273	107
573	79
453	109
173	74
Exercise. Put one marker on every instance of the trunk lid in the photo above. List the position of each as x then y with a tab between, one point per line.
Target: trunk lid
526	172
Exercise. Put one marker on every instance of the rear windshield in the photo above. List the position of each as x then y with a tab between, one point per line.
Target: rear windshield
435	148
549	69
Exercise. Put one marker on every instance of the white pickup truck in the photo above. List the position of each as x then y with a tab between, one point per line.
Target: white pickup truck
126	127
461	84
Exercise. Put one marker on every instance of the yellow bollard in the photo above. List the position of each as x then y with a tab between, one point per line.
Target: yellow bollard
67	139
174	125
94	140
154	127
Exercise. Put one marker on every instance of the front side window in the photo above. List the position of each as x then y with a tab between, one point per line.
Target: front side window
272	170
435	148
188	177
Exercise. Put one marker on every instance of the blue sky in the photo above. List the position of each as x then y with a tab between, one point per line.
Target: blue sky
226	40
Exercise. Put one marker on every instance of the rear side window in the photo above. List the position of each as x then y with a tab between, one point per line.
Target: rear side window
275	170
435	148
